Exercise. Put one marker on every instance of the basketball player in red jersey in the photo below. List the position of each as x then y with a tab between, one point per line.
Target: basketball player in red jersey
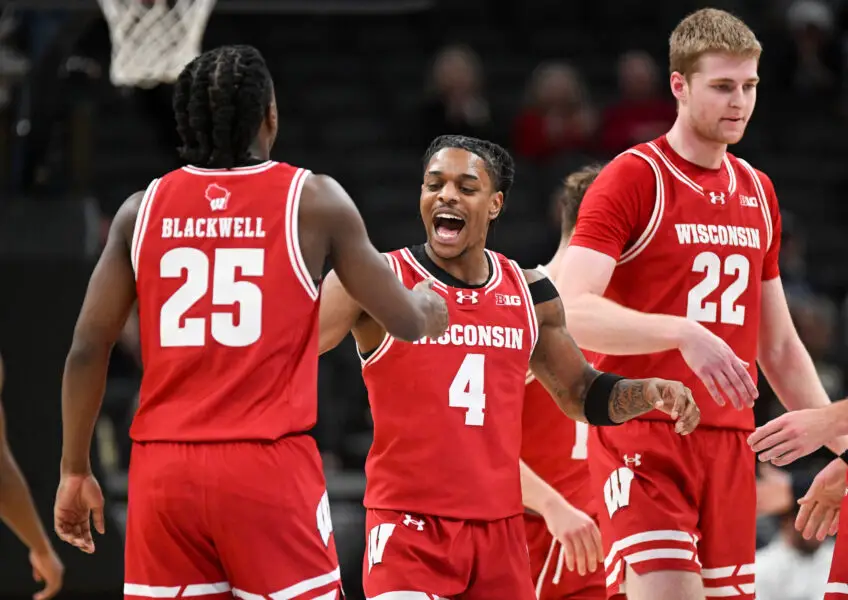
18	511
562	533
226	491
673	270
443	487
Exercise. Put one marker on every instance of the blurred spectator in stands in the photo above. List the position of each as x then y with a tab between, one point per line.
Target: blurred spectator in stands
790	567
456	103
559	117
816	319
814	65
644	110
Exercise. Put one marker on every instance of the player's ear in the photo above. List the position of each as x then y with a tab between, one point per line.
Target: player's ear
679	86
496	201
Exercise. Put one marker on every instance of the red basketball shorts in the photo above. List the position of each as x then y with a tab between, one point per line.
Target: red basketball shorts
415	557
213	521
837	582
547	563
680	503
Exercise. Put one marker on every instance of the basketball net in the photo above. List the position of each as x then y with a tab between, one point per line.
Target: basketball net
152	40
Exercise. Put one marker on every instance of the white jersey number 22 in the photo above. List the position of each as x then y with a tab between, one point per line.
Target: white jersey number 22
466	391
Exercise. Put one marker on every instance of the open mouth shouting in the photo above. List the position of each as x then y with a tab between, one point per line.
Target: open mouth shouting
447	226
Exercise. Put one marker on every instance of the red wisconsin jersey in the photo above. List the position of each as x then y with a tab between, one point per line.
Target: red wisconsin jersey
554	446
447	412
227	309
689	241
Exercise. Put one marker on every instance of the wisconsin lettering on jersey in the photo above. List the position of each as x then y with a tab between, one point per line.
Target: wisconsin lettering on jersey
212	227
493	336
722	235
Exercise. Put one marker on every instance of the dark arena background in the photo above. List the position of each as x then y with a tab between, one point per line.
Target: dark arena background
362	87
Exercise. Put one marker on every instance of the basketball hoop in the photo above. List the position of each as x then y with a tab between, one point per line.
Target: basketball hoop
152	40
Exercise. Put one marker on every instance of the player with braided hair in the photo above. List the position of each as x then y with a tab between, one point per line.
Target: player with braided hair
224	257
444	492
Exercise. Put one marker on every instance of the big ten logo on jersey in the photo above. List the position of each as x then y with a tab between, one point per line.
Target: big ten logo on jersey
507	300
617	489
323	519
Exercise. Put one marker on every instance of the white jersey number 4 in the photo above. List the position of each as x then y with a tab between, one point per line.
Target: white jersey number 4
709	263
466	391
176	330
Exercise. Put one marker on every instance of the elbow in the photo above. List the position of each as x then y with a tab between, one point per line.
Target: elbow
777	355
85	351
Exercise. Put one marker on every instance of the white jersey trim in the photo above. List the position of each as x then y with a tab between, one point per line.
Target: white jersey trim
497	272
387	340
250	170
532	322
141	220
656	216
764	205
421	270
675	170
292	237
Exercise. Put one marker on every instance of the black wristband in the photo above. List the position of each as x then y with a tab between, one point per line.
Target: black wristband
843	456
597	403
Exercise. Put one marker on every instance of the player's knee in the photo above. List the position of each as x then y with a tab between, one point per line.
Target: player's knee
664	585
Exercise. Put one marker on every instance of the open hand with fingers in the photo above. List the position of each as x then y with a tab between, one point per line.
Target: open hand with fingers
792	435
820	506
724	374
578	534
674	399
79	500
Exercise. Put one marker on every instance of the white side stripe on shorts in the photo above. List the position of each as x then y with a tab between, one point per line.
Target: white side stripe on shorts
406	596
151	591
307	585
836	588
206	589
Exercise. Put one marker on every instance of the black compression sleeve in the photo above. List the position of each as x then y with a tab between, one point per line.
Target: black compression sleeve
542	290
596	407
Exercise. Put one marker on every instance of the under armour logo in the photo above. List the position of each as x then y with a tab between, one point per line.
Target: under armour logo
218	196
408	520
463	297
635	460
716	197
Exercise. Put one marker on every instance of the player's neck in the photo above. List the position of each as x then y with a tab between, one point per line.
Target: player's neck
694	148
555	263
471	267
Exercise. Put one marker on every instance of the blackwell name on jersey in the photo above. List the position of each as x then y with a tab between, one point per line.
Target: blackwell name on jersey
493	336
212	227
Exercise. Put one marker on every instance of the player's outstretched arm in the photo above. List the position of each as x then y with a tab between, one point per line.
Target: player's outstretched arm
585	394
406	314
339	313
792	375
18	511
601	325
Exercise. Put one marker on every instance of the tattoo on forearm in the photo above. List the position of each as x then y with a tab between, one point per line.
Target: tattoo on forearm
628	400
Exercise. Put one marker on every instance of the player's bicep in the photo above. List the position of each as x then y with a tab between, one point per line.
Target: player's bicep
339	313
111	290
558	363
776	325
583	271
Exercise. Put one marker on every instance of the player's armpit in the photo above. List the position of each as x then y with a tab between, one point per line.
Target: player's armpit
365	274
110	296
339	313
558	363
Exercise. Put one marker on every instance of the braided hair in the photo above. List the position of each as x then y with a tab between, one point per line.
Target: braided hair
499	163
220	101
